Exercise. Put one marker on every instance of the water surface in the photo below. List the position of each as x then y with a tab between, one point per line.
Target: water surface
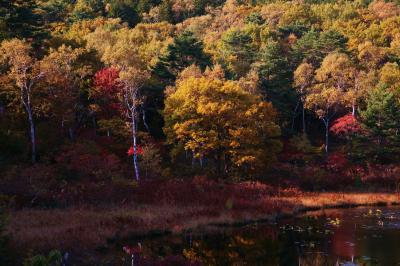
359	236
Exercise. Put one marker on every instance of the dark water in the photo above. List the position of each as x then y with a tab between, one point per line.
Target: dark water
361	236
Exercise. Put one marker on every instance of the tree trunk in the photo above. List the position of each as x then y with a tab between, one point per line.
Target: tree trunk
219	164
193	160
353	111
225	165
94	125
326	122
71	133
144	120
294	114
32	133
134	140
26	101
304	120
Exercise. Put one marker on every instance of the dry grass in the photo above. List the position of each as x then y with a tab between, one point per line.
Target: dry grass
90	228
328	200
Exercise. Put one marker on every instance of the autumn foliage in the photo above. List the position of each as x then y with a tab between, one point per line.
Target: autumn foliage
139	151
346	126
107	88
228	103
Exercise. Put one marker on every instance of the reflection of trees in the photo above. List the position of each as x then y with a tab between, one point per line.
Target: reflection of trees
304	241
312	259
243	245
343	243
301	241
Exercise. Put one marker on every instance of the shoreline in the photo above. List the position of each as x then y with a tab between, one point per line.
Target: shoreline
96	228
305	210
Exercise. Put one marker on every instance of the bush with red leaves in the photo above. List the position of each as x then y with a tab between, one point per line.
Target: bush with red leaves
382	175
336	161
345	126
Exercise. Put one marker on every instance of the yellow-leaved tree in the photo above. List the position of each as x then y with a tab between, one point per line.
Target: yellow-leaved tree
333	89
24	70
221	122
132	52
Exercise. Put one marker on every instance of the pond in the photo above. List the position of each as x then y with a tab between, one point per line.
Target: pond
358	236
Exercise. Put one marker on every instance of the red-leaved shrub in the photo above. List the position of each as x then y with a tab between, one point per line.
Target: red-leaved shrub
345	126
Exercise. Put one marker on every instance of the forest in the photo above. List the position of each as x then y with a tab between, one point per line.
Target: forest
163	115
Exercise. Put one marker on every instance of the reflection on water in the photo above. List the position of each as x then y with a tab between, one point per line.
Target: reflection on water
361	236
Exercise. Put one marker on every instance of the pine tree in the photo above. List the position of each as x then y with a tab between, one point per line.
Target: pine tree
183	52
125	10
166	13
275	74
382	115
22	19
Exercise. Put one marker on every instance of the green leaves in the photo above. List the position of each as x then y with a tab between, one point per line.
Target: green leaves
381	115
183	52
237	51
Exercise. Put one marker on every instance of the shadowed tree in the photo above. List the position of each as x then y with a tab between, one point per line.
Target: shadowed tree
275	75
21	19
125	10
24	71
183	52
62	77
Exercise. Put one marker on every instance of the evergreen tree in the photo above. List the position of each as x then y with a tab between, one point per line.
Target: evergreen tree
144	6
5	13
183	52
275	75
166	13
382	115
21	19
314	46
56	10
87	9
125	10
237	52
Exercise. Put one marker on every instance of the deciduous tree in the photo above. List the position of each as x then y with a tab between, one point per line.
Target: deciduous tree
218	119
24	70
62	81
303	79
132	52
334	80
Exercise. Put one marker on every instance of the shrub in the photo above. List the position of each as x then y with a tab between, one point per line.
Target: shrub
88	160
150	161
346	126
54	258
336	161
